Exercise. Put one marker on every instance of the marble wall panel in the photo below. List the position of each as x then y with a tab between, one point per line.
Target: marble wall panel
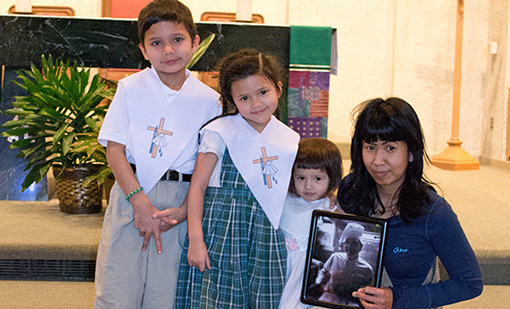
12	171
105	43
113	43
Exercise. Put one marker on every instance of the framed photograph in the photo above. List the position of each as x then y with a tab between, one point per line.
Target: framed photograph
345	253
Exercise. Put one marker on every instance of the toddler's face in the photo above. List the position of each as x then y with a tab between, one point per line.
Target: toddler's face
311	184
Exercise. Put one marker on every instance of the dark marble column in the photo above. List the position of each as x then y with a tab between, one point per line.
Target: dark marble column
113	43
12	171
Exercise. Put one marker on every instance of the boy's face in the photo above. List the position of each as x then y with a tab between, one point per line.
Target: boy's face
169	48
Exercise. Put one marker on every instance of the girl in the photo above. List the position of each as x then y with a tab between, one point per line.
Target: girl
316	174
387	181
236	253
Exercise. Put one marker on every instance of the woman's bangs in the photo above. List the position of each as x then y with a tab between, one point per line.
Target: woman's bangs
372	133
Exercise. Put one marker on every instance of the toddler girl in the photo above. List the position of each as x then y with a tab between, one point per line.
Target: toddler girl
316	173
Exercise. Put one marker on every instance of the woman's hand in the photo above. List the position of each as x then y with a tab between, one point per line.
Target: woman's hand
375	298
198	256
333	201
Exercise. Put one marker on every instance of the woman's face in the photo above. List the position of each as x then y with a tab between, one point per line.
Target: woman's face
387	163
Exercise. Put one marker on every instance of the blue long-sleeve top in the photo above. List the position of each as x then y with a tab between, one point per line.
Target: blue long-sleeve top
411	251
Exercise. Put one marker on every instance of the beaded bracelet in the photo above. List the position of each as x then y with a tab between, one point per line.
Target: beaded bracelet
133	193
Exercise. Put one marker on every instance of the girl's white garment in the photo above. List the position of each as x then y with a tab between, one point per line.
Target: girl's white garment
295	224
211	142
264	159
160	129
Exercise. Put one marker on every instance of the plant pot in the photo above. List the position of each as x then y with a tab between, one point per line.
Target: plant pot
73	195
108	184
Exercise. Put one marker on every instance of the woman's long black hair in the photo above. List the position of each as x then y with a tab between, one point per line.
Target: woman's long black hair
390	120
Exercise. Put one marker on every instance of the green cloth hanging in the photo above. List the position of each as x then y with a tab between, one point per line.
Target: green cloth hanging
310	47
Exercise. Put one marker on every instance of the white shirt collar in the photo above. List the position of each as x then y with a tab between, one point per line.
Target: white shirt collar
169	92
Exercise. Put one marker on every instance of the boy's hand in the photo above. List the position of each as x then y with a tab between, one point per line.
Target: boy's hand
375	298
198	256
144	222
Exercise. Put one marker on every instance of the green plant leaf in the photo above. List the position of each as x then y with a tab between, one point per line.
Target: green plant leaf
36	174
66	143
202	47
59	117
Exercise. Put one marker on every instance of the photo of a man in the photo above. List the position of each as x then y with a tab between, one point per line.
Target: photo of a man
345	271
345	253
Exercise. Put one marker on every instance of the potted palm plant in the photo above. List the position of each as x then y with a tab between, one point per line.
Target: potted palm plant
64	107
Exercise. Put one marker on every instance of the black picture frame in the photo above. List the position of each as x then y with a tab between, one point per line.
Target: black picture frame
329	276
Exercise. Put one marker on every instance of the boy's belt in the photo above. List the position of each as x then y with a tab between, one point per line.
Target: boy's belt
170	175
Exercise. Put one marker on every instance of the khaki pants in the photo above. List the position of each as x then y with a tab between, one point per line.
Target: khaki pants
127	277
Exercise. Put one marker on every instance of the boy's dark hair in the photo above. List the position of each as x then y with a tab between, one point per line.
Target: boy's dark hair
165	10
241	64
390	120
322	154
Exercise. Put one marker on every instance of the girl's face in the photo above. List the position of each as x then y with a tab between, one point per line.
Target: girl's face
311	184
256	98
387	163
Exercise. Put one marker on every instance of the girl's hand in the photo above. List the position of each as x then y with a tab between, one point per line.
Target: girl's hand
166	215
375	298
164	226
171	216
198	256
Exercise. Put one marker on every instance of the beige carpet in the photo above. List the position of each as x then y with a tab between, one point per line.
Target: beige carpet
80	295
480	199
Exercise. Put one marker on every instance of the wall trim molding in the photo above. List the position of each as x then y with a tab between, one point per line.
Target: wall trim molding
495	163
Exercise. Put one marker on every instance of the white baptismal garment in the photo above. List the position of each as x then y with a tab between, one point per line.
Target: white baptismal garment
295	224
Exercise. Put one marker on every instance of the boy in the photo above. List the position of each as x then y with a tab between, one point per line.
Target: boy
151	131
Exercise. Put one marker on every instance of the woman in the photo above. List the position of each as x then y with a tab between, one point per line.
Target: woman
387	181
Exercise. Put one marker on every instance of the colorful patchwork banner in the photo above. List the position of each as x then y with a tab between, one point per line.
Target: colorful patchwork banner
308	91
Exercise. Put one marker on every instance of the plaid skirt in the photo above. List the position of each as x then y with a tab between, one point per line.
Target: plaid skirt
247	254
